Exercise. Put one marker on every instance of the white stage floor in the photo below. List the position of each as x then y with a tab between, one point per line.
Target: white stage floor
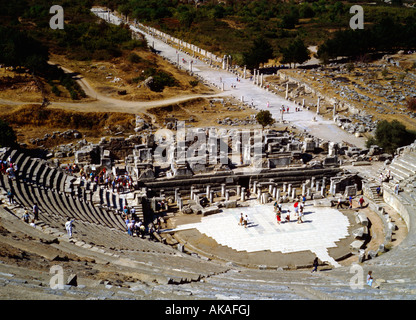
322	227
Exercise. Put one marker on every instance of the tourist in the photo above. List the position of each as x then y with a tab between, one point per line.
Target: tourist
142	230
350	202
245	221
370	278
315	265
396	188
36	211
361	202
296	205
278	216
339	203
378	190
26	216
300	216
10	196
32	223
68	226
130	227
137	227
241	219
288	216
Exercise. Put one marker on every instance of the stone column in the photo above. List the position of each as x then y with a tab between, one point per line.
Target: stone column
323	191
294	193
278	194
303	189
312	182
332	188
208	191
289	189
192	193
243	194
255	187
176	194
223	190
211	196
238	190
317	186
274	194
284	186
227	195
287	91
180	203
318	105
264	197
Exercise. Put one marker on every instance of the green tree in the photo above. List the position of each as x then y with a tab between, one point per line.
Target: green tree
7	135
20	50
264	118
392	135
261	51
296	52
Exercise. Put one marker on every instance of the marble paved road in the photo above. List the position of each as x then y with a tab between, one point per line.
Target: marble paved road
246	90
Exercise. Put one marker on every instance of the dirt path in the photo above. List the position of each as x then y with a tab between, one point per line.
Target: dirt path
103	103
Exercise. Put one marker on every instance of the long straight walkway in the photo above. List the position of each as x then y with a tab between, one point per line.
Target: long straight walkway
247	90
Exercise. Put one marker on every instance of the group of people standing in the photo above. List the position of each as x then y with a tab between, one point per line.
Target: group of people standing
8	168
299	207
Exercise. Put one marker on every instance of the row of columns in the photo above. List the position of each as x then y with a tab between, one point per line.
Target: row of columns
273	190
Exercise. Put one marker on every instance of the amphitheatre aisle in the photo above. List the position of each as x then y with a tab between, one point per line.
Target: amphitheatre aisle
245	90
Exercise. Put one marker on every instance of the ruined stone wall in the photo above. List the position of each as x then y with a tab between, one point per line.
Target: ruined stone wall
294	176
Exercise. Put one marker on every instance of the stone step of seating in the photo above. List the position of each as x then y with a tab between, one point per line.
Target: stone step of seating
30	174
406	164
41	173
397	175
219	282
402	168
24	167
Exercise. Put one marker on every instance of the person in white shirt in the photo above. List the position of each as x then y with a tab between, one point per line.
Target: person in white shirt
68	226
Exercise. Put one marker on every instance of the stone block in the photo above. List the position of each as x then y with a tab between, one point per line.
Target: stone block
230	204
356	245
322	203
360	232
210	210
361	219
197	209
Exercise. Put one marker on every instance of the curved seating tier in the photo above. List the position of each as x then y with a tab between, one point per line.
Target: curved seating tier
38	182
